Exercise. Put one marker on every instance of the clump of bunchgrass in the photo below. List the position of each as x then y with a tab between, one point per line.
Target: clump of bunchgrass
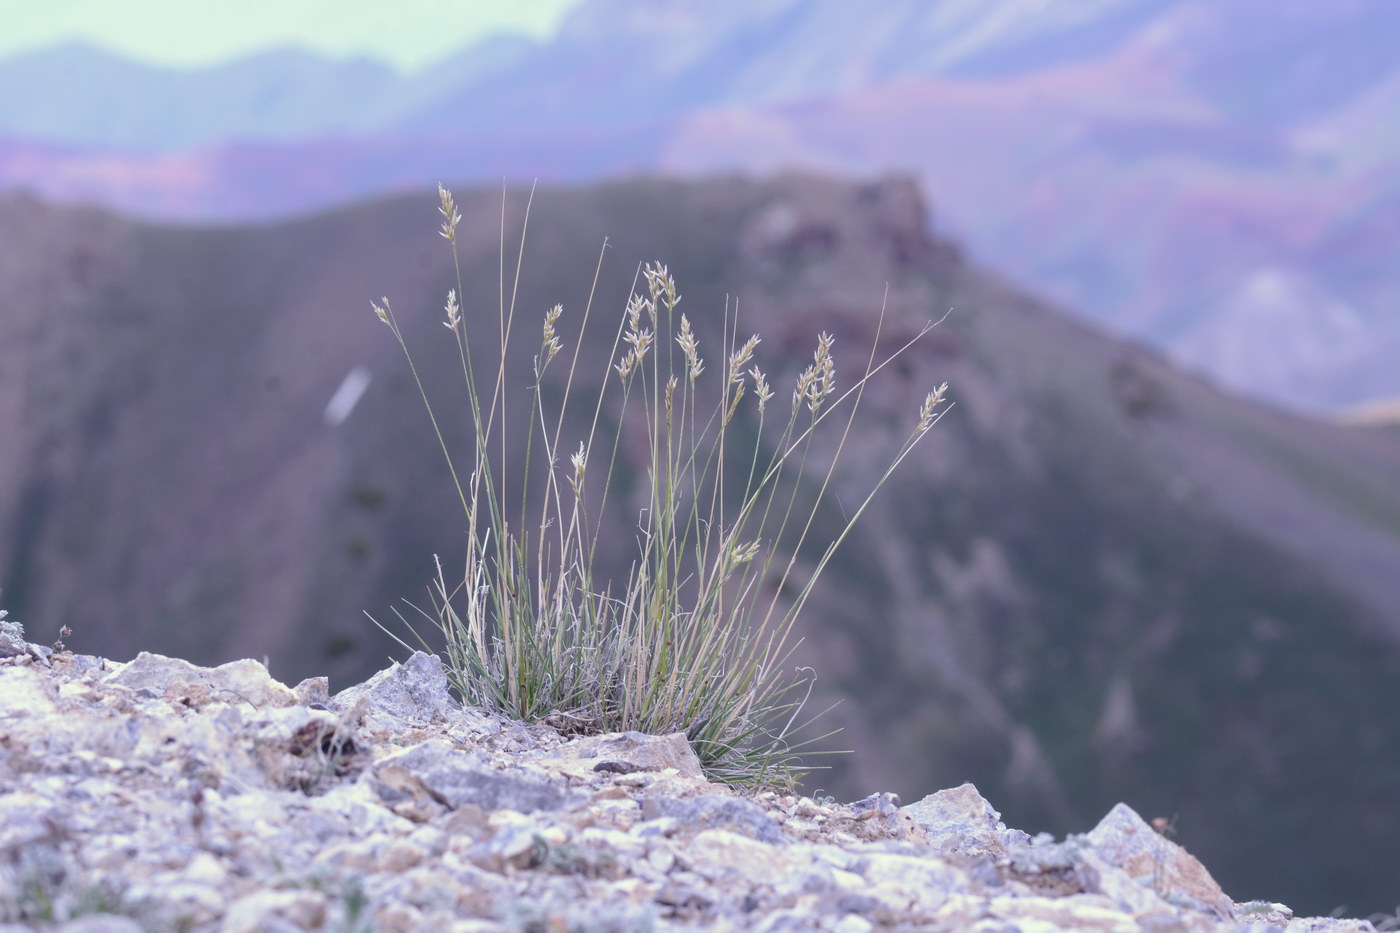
698	637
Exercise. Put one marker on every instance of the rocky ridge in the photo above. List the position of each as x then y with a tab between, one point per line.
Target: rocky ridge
158	795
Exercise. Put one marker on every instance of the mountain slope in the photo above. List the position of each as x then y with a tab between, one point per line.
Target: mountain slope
1102	580
83	97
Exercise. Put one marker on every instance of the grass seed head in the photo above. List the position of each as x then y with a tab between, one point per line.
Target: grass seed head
636	336
761	388
661	286
448	209
743	553
929	409
551	345
625	365
579	460
741	358
734	400
694	365
454	311
818	381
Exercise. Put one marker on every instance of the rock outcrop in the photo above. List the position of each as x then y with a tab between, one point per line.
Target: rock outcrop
160	795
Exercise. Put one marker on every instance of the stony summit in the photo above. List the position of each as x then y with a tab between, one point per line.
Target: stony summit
157	795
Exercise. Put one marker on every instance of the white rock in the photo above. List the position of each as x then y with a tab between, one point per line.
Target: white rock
852	924
1123	839
218	799
276	911
26	692
718	853
244	681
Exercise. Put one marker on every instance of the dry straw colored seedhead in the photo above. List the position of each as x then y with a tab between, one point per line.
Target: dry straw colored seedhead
698	636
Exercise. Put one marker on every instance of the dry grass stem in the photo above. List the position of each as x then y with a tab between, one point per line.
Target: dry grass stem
698	638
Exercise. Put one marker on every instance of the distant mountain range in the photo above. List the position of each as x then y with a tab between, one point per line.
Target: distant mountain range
1101	580
1219	179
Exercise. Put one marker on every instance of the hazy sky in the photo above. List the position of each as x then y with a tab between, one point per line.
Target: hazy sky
406	33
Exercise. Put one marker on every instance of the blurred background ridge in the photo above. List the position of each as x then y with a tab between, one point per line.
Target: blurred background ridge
1218	179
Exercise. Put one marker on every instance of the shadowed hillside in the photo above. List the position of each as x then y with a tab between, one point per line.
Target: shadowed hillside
1100	580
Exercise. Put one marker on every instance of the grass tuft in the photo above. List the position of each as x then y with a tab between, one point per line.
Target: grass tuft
698	637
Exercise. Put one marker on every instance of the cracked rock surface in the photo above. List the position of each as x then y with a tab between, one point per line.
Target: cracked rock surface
157	795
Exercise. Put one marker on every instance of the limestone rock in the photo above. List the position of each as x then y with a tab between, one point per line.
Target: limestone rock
455	778
313	691
182	682
716	812
276	911
960	822
413	692
626	753
12	643
1125	841
25	692
160	795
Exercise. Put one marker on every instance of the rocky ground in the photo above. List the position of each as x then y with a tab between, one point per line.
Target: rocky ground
157	795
